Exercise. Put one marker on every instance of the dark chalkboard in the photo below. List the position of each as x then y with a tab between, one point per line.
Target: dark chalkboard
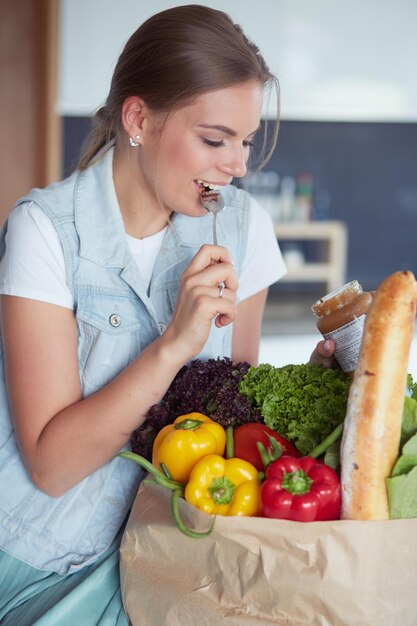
368	171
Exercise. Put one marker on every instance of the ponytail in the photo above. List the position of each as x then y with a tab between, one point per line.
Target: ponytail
101	133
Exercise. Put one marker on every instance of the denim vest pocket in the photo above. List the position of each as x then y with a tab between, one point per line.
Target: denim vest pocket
171	289
109	327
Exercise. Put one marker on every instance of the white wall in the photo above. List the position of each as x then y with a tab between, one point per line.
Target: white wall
335	59
280	350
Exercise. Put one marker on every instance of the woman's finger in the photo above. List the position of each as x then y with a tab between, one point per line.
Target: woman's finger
212	276
218	294
208	255
323	354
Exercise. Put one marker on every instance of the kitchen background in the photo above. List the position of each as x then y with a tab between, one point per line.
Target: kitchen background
342	183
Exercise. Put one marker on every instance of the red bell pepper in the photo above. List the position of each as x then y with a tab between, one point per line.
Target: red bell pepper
302	490
247	436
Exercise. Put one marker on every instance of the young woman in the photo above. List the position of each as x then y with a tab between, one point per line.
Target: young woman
110	285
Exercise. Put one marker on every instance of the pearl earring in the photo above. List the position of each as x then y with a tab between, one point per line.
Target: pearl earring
134	142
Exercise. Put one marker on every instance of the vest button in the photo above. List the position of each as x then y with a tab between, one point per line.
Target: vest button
115	320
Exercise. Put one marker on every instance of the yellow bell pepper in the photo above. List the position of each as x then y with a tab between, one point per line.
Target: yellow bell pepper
178	446
221	486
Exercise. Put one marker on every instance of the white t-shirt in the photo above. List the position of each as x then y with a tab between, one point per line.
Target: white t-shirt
33	265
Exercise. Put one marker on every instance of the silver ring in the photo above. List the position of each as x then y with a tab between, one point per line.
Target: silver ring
221	289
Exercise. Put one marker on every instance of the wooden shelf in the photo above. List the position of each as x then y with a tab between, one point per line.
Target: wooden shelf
333	234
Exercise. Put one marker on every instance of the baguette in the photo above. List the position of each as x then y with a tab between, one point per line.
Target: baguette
372	427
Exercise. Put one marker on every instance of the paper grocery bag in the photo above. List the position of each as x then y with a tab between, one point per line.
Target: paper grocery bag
255	571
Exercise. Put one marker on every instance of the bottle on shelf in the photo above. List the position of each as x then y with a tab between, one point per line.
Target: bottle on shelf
287	199
304	197
264	187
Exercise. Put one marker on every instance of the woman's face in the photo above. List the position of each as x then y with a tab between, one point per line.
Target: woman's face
208	140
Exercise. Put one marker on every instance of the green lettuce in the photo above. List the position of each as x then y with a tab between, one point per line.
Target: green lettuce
304	403
402	485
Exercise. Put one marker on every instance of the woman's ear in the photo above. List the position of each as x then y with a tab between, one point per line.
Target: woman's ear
134	112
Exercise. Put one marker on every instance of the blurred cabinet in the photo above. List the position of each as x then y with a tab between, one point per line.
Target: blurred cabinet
329	266
29	126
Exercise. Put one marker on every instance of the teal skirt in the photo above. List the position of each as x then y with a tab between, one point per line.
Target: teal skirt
89	597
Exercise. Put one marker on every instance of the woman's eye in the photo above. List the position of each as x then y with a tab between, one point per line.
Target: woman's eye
218	144
213	144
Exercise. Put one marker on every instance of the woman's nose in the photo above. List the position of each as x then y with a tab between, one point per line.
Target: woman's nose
236	164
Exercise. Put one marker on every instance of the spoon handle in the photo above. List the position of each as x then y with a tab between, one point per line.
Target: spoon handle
214	228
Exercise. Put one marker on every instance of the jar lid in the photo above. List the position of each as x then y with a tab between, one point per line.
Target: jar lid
337	299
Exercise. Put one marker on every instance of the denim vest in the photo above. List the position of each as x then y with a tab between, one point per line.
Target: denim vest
117	318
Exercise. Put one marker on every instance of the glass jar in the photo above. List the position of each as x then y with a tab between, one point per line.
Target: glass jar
341	317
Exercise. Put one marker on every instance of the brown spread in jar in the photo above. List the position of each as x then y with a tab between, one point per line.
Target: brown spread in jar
341	316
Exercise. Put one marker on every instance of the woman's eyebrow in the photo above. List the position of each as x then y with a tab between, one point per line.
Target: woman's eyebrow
224	129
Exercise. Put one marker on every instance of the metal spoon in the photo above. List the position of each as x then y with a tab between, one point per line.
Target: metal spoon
213	203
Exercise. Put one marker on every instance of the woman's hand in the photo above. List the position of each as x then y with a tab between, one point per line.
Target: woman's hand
201	299
323	354
45	396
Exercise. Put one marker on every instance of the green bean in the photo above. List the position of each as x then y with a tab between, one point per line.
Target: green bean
176	494
159	476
